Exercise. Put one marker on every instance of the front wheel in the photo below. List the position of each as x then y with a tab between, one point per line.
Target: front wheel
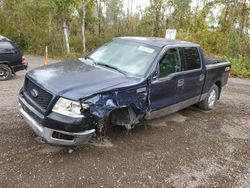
209	102
5	72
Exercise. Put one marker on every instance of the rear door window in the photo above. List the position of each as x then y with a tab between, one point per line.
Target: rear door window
191	58
6	47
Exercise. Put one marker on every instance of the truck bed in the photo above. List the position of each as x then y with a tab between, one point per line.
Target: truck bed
211	60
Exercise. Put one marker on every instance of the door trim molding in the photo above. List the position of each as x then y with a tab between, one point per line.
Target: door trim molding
172	108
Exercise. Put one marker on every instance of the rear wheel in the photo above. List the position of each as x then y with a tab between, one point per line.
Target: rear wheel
209	102
5	72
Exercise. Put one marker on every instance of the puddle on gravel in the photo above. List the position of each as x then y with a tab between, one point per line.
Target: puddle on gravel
106	143
164	121
176	117
49	149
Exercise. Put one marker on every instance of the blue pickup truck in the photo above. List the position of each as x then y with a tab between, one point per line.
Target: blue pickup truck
123	82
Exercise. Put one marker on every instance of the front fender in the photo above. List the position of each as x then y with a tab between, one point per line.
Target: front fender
101	105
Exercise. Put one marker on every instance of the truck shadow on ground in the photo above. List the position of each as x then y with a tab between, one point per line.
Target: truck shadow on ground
118	135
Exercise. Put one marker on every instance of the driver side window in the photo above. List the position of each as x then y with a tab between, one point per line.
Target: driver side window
170	63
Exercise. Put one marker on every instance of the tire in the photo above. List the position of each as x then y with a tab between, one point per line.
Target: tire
211	99
5	72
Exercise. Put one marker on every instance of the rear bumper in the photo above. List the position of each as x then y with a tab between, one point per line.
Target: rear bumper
47	134
22	66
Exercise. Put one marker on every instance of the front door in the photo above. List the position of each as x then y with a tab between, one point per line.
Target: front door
167	84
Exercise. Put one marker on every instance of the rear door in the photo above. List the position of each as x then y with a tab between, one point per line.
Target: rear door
194	73
166	87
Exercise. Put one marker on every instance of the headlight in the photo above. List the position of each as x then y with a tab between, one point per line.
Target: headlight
69	108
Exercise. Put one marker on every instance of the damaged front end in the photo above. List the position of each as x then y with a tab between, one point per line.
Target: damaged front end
121	108
55	128
72	123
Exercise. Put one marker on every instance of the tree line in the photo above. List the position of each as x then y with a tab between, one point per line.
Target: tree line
76	27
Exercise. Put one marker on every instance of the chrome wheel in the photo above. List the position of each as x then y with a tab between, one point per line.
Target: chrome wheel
212	98
3	73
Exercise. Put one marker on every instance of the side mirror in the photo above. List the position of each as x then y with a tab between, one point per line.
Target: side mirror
154	76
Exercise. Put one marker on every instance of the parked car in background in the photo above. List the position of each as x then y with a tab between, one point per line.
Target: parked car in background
121	83
11	59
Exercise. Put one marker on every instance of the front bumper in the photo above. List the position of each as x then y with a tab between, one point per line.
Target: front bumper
48	135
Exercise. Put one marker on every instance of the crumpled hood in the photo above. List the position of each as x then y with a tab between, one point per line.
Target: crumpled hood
75	79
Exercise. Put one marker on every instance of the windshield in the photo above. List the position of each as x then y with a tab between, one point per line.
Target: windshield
128	57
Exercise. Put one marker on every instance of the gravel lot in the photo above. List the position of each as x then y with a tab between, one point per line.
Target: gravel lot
191	148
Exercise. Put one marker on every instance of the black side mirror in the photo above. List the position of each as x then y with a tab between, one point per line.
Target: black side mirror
154	76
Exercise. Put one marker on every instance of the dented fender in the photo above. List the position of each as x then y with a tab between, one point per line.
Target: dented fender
102	104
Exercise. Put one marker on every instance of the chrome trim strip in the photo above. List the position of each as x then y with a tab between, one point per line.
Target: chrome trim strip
172	108
211	66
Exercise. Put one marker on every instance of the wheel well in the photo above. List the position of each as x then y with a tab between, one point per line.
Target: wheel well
4	62
218	84
125	116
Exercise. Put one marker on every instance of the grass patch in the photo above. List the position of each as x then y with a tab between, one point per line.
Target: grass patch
240	67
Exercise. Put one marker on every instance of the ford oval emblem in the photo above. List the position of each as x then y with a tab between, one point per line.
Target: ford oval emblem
34	93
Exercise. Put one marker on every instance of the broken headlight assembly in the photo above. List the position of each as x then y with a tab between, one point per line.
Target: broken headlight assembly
69	108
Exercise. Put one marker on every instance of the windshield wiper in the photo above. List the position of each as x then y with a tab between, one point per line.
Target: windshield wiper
111	67
90	58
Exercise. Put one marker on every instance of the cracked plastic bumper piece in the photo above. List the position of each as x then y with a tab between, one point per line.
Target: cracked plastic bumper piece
57	137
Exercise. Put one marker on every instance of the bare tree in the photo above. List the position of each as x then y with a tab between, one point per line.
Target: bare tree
66	36
99	9
244	16
128	8
131	7
84	4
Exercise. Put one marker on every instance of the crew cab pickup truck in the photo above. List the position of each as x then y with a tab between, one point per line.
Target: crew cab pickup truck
11	59
121	83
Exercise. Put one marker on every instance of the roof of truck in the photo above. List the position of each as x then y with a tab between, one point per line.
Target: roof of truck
158	42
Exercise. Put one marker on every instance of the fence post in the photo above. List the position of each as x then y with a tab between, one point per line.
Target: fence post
46	56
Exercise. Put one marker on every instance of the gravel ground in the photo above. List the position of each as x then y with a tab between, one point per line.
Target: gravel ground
190	148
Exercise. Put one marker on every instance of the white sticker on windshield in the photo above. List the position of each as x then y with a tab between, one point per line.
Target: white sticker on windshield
146	49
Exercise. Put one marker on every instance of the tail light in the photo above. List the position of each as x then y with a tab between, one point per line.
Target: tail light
229	72
23	58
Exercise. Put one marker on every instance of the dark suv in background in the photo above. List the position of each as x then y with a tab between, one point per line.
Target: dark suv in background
11	59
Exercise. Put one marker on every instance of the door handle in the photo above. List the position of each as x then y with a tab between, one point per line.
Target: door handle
180	82
202	76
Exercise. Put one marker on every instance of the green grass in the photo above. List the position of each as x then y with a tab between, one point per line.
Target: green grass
240	67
